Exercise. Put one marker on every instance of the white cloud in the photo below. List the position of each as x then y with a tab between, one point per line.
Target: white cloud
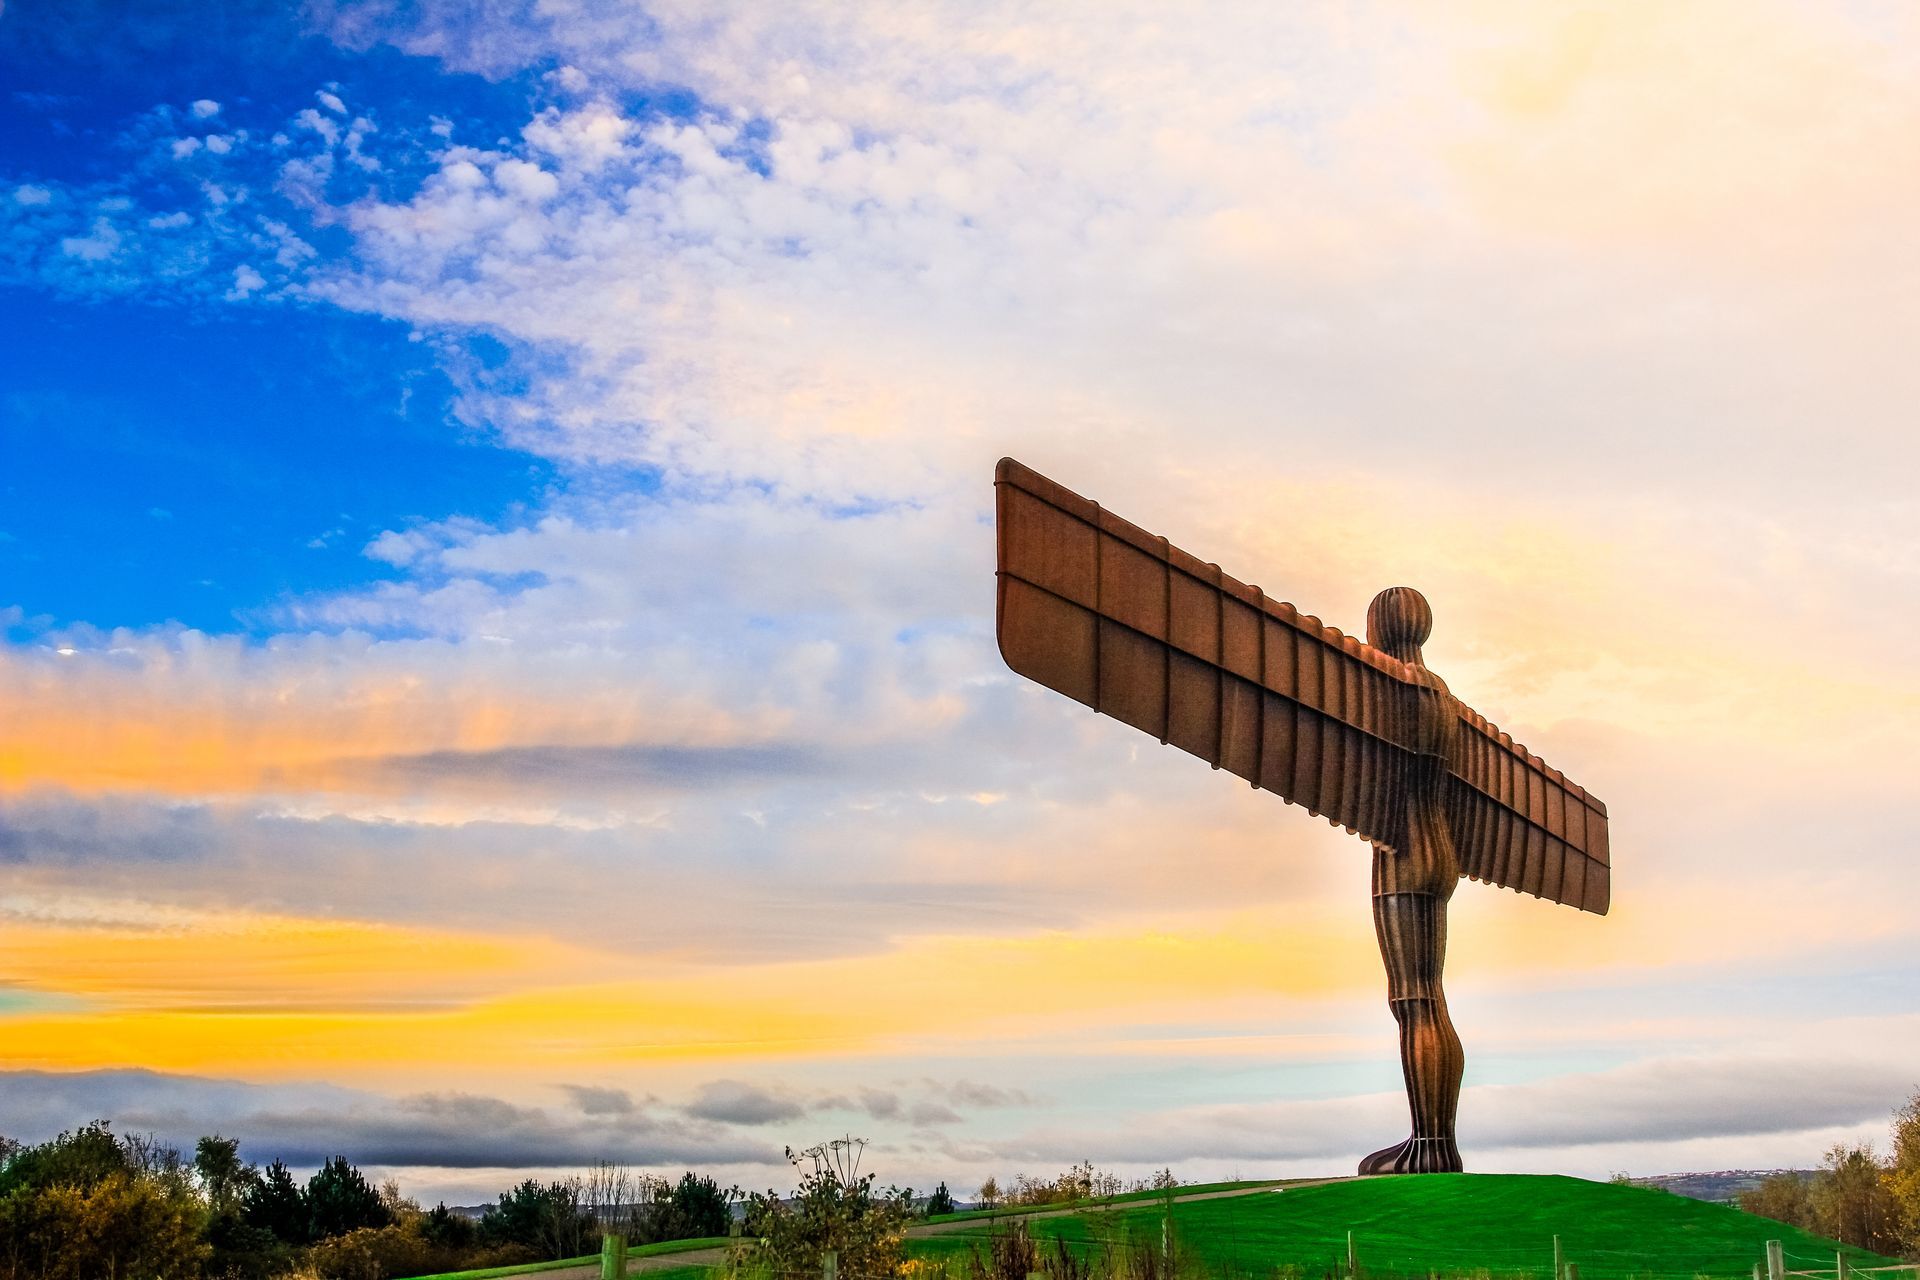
246	282
98	245
1616	363
204	109
30	194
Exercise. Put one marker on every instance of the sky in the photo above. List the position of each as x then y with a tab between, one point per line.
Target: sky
496	572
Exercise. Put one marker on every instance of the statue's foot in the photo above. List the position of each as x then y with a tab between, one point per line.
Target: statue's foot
1415	1155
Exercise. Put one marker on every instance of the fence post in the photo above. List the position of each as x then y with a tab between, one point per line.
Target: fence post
1559	1260
1776	1261
830	1265
1353	1259
1757	1269
1166	1239
613	1256
1573	1271
1839	1265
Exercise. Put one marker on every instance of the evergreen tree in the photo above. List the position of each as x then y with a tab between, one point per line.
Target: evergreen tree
693	1208
340	1199
449	1230
275	1203
941	1201
547	1219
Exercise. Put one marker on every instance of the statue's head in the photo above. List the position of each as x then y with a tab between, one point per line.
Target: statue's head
1398	622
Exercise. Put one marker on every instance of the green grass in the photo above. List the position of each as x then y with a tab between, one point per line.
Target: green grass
1128	1197
524	1269
676	1246
1500	1223
636	1251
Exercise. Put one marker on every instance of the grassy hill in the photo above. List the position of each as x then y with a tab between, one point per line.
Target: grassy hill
1460	1223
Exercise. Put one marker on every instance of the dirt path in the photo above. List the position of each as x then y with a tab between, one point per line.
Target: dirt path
711	1257
943	1228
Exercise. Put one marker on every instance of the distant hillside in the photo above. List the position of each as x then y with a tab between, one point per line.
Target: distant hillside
1723	1187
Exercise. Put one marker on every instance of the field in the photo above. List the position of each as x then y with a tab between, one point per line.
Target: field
1462	1223
1494	1226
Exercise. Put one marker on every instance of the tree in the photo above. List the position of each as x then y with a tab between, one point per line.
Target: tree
445	1229
940	1202
548	1219
217	1161
1902	1176
989	1194
276	1204
691	1209
1851	1202
340	1199
77	1158
1784	1197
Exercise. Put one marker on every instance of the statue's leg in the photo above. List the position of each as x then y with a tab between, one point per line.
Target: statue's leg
1412	931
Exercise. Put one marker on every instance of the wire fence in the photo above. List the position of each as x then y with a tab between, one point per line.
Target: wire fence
1012	1252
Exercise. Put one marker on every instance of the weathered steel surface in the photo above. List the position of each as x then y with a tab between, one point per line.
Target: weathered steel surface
1360	733
1097	608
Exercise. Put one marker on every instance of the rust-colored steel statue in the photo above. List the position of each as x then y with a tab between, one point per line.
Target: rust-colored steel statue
1361	734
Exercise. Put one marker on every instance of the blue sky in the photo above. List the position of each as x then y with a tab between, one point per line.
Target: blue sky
176	458
463	474
171	464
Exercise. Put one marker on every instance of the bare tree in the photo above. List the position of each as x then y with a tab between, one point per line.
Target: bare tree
618	1199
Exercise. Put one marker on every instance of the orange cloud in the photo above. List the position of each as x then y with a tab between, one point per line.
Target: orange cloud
274	997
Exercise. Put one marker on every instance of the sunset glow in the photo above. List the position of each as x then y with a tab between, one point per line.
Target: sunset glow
496	571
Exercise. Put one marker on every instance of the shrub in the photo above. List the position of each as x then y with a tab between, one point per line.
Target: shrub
121	1225
835	1208
77	1158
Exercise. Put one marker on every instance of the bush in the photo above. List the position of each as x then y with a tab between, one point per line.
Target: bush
120	1225
79	1158
835	1208
403	1249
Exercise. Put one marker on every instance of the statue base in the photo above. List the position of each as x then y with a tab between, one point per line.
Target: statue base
1415	1155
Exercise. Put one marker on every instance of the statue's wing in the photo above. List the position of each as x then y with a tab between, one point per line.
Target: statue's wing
1523	825
1110	615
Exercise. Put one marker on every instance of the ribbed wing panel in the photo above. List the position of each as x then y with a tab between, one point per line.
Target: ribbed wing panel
1098	609
1521	824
